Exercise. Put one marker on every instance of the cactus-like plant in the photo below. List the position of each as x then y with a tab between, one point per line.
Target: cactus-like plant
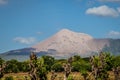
33	66
67	68
98	66
53	75
2	67
37	68
116	71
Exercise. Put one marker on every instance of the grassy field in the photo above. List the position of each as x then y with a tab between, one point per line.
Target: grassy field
60	76
17	76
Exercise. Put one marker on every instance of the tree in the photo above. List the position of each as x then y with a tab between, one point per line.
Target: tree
109	59
23	66
48	61
84	74
76	66
76	58
99	66
9	78
38	69
53	75
42	71
116	61
12	66
57	67
1	61
67	68
2	67
33	67
116	67
80	65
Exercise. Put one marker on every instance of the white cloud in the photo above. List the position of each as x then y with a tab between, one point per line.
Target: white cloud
90	2
109	0
103	11
39	33
23	40
3	1
118	9
113	34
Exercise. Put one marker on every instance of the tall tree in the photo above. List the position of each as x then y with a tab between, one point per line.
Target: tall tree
98	64
33	67
2	67
37	68
48	61
116	67
67	68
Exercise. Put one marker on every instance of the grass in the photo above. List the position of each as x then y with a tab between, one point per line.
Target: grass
60	76
17	76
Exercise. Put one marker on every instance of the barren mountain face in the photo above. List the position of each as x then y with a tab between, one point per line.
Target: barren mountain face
67	43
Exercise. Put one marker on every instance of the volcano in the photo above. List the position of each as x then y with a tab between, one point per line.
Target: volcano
66	43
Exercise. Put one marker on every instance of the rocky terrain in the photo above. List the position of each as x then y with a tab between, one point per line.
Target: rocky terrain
66	43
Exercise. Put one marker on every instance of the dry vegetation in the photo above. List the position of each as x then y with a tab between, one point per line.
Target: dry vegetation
101	67
60	76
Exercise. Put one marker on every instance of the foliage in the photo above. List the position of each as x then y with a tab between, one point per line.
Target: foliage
61	61
15	66
23	66
116	61
1	67
9	78
109	61
80	65
42	71
84	74
1	75
1	61
99	65
57	67
12	66
48	61
70	78
76	58
76	66
45	64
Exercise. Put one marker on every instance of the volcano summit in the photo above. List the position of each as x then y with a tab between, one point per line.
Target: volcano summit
66	43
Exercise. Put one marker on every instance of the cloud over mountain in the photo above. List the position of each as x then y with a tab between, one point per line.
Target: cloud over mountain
23	40
109	0
103	11
118	9
3	1
113	34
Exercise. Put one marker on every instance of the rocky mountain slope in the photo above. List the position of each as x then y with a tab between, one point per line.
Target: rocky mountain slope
66	43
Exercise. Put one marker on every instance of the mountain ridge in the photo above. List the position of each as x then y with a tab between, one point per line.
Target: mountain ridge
62	37
66	43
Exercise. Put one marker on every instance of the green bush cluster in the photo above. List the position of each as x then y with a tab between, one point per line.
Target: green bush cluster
50	63
9	78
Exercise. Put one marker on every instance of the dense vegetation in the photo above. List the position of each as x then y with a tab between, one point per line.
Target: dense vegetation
38	68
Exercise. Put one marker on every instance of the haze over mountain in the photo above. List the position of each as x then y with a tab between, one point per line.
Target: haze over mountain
66	43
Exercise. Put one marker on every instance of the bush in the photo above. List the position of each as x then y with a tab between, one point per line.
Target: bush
80	65
57	67
9	78
70	78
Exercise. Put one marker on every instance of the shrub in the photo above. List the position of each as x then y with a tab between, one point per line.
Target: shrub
57	67
9	78
70	78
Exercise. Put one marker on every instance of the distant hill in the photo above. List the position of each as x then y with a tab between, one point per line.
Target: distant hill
66	43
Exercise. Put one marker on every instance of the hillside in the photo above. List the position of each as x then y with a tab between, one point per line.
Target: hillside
66	43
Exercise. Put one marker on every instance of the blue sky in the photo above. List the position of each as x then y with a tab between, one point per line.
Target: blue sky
26	22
